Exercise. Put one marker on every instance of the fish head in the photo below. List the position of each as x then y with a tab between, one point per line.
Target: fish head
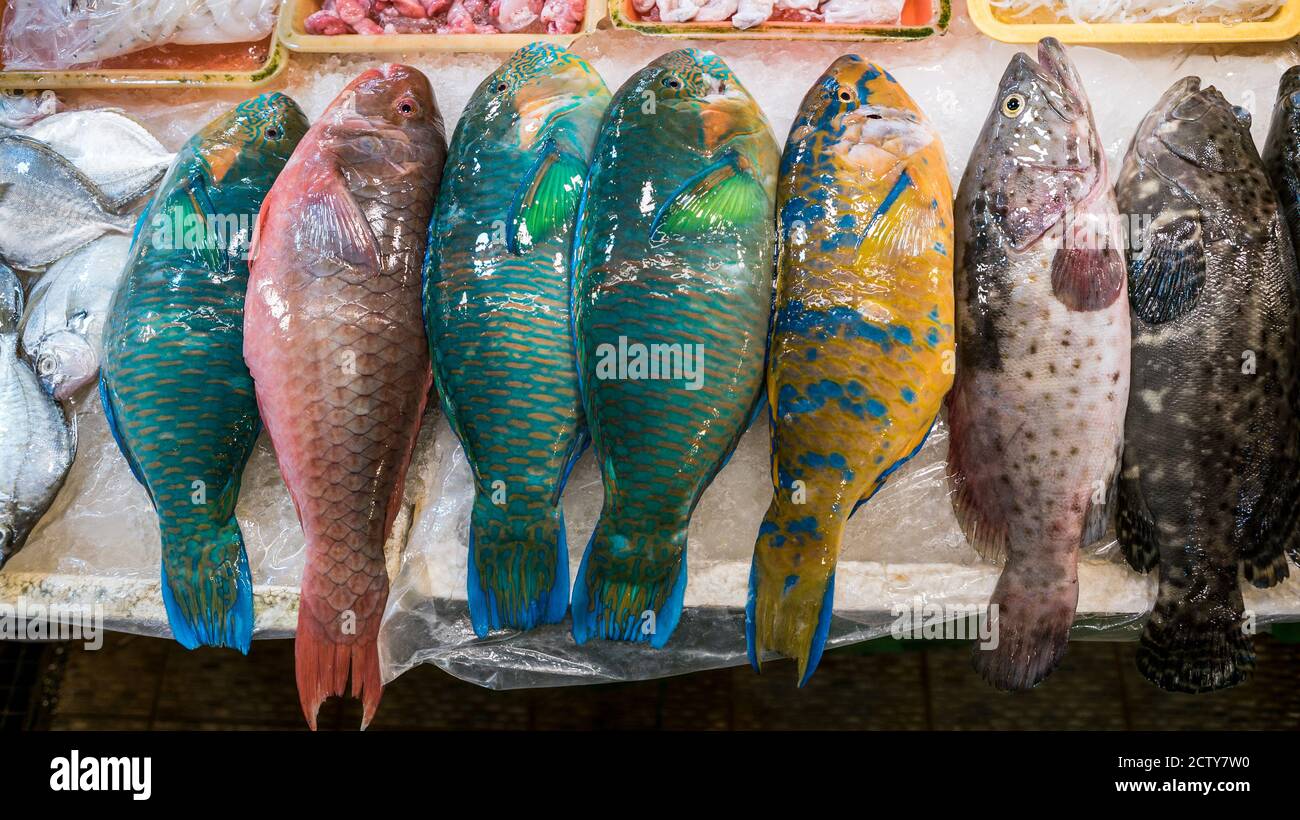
21	107
384	121
252	140
863	117
64	361
1039	150
539	87
1193	129
699	84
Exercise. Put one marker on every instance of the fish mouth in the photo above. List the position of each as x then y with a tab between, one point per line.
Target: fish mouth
877	138
535	115
1177	95
1055	75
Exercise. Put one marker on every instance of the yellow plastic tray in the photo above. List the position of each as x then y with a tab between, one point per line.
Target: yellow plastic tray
916	26
276	60
1283	25
295	37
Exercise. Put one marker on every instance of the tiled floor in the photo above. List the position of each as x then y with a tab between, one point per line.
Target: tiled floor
142	683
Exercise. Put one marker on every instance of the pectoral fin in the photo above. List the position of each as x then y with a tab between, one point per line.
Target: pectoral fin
1166	276
335	224
196	209
547	198
904	226
726	193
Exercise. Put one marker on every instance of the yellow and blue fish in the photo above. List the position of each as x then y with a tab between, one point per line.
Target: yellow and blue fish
861	348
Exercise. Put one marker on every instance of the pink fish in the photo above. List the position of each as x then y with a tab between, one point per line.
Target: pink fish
334	338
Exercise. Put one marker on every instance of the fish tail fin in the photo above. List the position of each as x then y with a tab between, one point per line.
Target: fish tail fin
631	583
1030	616
789	610
1188	646
323	662
207	588
518	566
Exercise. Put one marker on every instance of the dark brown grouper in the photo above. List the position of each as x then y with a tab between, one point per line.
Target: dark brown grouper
1209	475
1037	409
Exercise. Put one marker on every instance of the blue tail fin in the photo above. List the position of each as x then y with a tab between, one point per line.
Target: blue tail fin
518	566
207	587
630	585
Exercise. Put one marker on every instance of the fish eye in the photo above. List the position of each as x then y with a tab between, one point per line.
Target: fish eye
15	93
845	95
273	133
501	87
672	82
407	107
1013	105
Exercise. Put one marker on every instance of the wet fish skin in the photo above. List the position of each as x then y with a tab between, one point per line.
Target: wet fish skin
114	152
176	393
1211	464
48	208
334	338
37	443
20	108
1037	407
63	323
862	341
674	247
499	323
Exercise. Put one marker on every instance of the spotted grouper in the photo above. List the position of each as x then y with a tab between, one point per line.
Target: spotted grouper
1037	407
1211	476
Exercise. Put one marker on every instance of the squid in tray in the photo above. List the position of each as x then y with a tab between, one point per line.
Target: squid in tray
861	348
672	290
496	299
175	389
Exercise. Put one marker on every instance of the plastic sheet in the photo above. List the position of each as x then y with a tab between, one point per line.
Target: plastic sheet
58	34
904	549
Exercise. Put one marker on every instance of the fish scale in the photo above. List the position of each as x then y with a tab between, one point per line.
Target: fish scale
861	348
335	342
177	394
497	302
674	247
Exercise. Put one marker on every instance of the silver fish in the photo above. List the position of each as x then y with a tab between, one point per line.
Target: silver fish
20	108
36	442
114	151
48	208
65	314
